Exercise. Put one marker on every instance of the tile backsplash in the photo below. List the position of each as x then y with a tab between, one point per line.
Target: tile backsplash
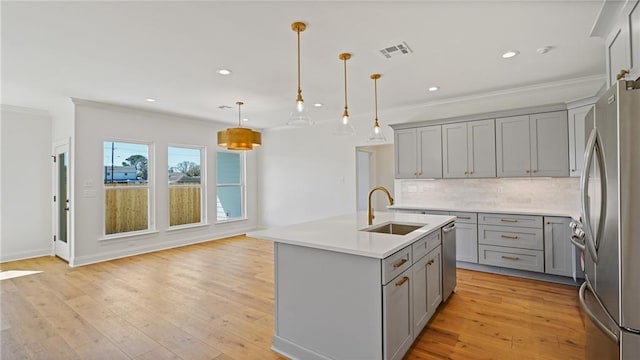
560	194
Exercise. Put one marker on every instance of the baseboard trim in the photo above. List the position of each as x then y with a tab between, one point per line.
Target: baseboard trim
122	253
23	255
518	273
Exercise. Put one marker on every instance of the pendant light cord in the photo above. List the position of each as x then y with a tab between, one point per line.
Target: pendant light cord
375	87
239	113
299	89
345	84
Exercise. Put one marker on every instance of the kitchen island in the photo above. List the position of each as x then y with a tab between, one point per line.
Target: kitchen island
342	292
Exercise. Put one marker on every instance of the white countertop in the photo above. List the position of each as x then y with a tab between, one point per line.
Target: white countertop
343	233
521	211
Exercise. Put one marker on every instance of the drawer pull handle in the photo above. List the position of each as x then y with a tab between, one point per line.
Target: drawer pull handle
400	263
509	220
510	257
509	237
402	281
464	217
430	262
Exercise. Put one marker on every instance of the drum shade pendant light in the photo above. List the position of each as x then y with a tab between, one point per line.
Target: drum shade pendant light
376	134
239	138
345	127
299	116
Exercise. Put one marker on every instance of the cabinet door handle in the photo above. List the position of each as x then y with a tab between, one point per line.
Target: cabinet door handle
400	263
402	281
415	173
509	220
419	173
430	262
622	74
466	173
528	171
509	237
535	171
510	257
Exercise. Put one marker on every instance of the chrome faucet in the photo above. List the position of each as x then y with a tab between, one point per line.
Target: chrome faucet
370	209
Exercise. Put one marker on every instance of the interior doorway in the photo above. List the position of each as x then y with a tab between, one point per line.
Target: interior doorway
374	167
62	218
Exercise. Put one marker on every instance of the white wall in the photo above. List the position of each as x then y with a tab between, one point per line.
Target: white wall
96	123
25	185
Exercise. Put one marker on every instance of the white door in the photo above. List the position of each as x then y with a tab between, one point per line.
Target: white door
61	201
363	177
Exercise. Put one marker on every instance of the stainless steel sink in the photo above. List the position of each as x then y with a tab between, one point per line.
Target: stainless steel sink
394	228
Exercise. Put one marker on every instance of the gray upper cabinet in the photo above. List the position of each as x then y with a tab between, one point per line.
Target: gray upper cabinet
418	153
623	44
406	153
549	144
532	145
468	149
513	154
577	122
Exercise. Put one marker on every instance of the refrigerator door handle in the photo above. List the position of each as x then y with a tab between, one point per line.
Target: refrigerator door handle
610	334
590	240
579	243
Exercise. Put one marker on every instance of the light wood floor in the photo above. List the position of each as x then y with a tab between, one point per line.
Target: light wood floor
215	301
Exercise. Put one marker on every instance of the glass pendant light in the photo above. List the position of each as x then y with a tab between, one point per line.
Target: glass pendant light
239	138
345	127
299	116
376	134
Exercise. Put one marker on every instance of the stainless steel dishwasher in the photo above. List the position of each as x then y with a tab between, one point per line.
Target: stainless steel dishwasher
448	260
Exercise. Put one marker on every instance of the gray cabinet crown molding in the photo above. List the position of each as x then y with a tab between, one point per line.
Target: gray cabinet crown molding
482	116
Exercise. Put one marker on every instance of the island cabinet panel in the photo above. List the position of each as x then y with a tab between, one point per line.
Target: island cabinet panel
427	288
397	319
315	291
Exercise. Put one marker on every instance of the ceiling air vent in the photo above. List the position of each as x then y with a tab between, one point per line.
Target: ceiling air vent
396	50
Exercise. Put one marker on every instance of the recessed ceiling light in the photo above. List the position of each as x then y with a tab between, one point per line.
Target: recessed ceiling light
543	50
224	72
245	119
510	54
318	104
434	88
150	99
224	107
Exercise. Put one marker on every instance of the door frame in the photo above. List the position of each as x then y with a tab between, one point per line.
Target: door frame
66	142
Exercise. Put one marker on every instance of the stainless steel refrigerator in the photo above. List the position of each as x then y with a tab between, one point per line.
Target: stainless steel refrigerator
610	225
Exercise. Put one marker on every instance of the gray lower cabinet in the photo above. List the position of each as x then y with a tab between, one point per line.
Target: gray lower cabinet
466	236
517	247
427	288
557	247
397	316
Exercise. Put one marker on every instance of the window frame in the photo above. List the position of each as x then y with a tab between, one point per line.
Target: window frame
150	186
243	187
203	188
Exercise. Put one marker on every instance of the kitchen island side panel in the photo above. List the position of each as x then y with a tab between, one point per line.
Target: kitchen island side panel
328	304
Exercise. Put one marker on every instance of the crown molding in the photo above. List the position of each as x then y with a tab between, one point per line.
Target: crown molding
25	110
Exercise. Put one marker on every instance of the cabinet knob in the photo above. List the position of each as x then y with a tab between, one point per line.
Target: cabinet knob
622	74
415	173
528	171
535	171
466	173
470	172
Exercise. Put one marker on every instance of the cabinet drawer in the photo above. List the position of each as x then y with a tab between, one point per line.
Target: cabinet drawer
465	217
531	221
511	236
531	260
428	242
395	264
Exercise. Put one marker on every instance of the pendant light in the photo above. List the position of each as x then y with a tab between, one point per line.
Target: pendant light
345	127
376	134
239	138
299	116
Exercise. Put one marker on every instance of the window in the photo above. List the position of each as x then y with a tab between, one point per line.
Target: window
230	185
186	189
127	189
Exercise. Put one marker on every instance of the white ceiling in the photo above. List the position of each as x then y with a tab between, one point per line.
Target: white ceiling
125	52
